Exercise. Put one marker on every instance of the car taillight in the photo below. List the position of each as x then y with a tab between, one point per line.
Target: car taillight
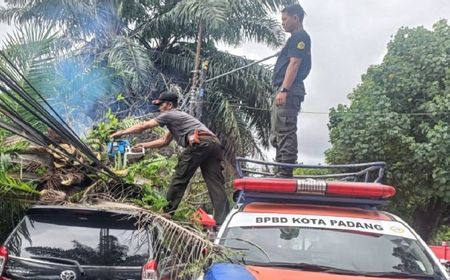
149	271
315	187
3	258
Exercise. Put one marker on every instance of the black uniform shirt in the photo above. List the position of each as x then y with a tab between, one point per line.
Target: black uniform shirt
298	45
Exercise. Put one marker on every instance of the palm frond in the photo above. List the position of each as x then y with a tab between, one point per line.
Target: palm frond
252	80
11	187
275	5
132	61
28	47
181	251
11	211
5	162
230	21
249	21
12	15
237	133
251	28
211	12
75	19
249	91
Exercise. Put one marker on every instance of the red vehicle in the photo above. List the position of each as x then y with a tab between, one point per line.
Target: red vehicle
443	254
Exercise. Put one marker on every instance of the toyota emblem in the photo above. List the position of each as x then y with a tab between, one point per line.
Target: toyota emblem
68	275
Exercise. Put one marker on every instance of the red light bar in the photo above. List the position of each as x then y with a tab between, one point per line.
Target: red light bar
355	189
315	187
265	185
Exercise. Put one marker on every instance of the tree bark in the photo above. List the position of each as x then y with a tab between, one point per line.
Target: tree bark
428	217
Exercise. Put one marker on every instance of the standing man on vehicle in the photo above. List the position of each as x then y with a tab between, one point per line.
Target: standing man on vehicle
292	67
202	149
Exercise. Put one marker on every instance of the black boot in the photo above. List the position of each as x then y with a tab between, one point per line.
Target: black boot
284	172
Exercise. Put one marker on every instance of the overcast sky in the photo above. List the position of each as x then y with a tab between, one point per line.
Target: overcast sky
347	37
4	29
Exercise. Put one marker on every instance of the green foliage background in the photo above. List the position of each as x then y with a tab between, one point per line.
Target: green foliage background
400	114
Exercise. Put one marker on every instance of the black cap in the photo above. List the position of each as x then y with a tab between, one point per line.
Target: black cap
166	96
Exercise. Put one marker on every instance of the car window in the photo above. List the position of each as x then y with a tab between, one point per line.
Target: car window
340	249
90	239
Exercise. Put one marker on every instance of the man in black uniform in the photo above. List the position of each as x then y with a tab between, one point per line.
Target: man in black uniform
202	149
292	67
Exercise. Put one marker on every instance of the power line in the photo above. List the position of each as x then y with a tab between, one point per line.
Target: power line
240	68
369	113
430	113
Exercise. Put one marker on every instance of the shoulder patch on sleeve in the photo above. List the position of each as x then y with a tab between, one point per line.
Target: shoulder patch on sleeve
301	45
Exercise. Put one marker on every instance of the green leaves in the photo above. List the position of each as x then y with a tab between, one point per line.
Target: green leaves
211	12
11	187
131	61
114	47
103	129
12	211
157	170
400	114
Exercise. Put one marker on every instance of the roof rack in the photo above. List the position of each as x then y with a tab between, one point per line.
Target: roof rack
358	172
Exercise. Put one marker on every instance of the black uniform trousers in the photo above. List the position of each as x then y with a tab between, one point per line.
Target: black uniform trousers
283	133
207	155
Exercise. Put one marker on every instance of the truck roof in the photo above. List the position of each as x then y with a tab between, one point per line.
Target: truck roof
320	210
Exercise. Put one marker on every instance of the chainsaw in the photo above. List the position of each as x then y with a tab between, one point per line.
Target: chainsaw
120	150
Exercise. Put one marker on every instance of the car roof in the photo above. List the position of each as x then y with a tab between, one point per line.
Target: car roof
319	210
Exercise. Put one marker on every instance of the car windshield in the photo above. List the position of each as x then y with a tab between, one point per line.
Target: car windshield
90	239
351	251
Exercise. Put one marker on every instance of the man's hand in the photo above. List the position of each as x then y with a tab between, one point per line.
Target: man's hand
138	148
280	99
116	134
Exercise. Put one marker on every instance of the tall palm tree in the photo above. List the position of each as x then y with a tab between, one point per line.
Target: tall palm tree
31	51
133	38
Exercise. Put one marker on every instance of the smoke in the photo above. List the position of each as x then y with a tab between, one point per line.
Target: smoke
76	90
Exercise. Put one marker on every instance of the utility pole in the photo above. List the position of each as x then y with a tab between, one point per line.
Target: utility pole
201	90
194	87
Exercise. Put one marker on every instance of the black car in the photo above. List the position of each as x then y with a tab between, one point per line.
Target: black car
69	243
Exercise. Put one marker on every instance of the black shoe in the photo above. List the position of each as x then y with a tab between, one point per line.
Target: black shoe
283	173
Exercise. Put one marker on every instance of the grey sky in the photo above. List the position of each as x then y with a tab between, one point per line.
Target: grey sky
347	37
4	28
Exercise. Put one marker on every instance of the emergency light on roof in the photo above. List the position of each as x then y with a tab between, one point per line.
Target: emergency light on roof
315	187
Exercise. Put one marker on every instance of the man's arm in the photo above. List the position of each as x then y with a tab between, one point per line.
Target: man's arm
158	143
289	77
138	128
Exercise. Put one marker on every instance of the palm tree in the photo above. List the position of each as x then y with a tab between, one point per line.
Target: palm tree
133	39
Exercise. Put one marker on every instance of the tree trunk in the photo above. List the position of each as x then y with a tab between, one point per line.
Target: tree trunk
428	217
